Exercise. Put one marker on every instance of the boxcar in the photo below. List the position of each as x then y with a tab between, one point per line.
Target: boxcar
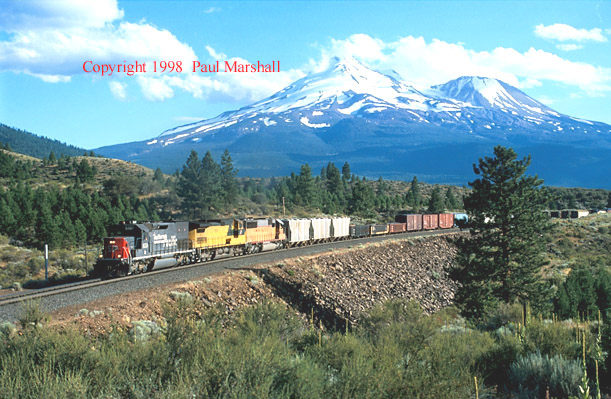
413	222
397	227
446	220
430	221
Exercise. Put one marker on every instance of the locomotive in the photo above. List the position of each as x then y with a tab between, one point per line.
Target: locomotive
134	248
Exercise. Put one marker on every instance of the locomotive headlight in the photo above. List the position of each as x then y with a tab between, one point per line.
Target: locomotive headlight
119	256
100	256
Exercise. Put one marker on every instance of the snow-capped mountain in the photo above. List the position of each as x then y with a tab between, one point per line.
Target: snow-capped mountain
350	112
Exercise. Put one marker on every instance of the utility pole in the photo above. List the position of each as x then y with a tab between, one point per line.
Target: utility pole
283	210
86	265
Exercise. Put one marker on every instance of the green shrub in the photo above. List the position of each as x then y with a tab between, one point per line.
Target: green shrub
553	339
181	296
530	375
503	315
143	330
495	362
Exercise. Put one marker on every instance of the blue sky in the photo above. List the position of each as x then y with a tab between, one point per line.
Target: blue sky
557	52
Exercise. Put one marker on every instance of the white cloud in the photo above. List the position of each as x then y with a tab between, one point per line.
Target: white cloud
188	119
545	100
54	38
155	89
214	54
118	89
564	32
569	47
210	10
426	63
18	16
50	78
219	86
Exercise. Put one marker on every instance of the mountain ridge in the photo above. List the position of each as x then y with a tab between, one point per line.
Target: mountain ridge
349	112
30	144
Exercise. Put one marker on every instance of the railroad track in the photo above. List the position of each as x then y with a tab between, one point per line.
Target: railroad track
21	296
211	267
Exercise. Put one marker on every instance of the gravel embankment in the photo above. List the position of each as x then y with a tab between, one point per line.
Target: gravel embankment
143	282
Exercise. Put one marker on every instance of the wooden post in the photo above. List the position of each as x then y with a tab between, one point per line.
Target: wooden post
46	264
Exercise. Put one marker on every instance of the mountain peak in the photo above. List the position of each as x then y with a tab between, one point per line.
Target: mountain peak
490	93
346	64
374	119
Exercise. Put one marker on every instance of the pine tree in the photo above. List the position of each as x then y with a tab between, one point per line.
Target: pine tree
502	259
436	204
413	195
212	195
80	233
346	174
323	173
84	171
305	190
381	187
229	184
609	201
450	200
334	180
362	200
190	188
577	295
158	176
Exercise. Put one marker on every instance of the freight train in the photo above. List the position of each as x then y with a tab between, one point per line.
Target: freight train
134	248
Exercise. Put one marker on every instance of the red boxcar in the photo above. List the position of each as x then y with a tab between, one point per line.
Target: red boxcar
413	222
430	222
397	227
446	220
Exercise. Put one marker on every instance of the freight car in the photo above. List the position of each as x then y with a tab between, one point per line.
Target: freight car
412	221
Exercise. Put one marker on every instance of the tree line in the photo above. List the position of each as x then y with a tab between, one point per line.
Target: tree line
207	189
30	144
64	218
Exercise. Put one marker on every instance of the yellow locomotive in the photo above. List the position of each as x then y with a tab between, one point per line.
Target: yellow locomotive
210	238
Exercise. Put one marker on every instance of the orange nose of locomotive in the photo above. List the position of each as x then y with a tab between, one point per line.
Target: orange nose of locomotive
116	248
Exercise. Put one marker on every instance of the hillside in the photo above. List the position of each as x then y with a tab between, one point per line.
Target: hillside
36	146
374	320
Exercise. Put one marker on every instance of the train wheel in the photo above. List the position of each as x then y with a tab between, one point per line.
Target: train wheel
150	266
